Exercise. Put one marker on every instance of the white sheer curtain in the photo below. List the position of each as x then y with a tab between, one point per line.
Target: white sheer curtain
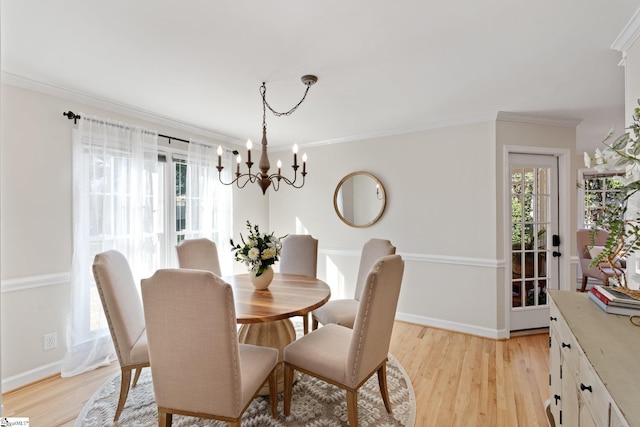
114	187
208	202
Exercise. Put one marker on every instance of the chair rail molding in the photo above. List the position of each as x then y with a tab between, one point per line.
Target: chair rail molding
31	282
430	258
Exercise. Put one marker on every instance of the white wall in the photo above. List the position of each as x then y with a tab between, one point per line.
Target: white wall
440	215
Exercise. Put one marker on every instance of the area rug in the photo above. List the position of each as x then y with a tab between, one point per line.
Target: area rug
315	403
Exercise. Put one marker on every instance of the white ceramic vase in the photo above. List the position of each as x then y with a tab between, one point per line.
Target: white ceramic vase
262	281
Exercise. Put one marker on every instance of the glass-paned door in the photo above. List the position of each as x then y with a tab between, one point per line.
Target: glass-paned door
534	222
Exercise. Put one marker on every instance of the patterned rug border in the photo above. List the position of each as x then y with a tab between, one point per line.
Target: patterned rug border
410	422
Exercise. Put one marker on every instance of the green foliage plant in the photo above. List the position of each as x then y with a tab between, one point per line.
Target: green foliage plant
622	217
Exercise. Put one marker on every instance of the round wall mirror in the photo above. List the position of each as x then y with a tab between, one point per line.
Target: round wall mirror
359	199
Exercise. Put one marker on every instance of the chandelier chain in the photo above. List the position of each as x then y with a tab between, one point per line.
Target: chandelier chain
263	93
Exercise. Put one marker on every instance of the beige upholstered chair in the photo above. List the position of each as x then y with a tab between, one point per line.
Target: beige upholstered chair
343	311
123	310
199	254
198	367
300	256
347	357
601	272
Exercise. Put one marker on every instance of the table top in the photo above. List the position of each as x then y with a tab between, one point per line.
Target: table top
288	295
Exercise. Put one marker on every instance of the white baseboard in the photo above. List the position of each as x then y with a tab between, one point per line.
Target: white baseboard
25	378
454	326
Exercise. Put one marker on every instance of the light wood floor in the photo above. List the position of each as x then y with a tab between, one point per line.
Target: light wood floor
459	380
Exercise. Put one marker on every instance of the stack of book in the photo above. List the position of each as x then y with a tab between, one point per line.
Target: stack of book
614	302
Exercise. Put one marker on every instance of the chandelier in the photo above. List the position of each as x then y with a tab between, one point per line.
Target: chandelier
263	178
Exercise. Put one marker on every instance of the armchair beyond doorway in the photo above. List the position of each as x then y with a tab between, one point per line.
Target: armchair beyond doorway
600	272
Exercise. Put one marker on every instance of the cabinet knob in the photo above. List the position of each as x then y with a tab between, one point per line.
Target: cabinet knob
566	345
585	387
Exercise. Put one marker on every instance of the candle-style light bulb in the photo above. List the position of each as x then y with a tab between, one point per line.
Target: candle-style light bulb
249	145
238	160
279	166
295	155
219	156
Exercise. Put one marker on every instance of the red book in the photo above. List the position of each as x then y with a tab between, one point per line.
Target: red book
600	295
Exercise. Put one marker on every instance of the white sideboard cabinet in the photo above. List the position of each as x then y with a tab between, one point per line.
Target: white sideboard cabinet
594	364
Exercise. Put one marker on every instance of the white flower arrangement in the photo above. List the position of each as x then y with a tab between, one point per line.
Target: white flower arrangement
259	251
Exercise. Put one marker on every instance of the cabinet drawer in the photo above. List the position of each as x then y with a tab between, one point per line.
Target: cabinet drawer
569	348
593	392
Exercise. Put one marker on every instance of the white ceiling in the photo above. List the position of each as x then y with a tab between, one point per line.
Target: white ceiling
384	66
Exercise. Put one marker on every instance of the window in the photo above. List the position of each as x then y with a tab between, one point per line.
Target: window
599	189
180	170
190	210
129	197
171	201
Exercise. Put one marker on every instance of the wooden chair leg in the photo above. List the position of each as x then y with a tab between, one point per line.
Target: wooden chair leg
305	324
584	283
125	383
164	419
288	388
273	393
314	324
137	376
382	382
352	407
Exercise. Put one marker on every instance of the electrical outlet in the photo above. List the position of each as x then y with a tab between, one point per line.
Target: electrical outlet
50	341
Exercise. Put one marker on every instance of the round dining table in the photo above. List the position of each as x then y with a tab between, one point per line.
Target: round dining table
264	315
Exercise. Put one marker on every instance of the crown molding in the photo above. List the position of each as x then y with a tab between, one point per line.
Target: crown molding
409	129
109	105
628	35
523	118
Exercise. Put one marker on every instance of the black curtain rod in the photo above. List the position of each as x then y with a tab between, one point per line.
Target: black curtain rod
72	116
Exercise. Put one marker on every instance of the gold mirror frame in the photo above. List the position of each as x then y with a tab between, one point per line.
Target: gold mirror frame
381	194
